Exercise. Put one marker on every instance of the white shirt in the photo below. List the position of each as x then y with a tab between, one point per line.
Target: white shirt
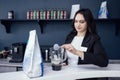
76	43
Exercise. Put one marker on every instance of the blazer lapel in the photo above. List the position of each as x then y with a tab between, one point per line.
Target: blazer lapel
86	40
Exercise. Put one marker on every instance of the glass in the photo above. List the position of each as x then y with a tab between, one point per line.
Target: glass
57	56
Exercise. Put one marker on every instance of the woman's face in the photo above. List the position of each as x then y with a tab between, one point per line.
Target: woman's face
80	24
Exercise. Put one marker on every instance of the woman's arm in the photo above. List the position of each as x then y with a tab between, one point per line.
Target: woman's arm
96	55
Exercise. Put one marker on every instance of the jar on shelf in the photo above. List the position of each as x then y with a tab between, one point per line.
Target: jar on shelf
11	14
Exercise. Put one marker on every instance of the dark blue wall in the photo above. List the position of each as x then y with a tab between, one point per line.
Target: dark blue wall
56	32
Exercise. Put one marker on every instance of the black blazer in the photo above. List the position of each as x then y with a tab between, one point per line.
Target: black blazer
95	53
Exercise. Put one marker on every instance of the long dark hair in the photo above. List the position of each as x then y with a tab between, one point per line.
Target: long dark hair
91	26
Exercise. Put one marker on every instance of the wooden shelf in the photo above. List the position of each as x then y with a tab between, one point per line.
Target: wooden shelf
115	21
7	23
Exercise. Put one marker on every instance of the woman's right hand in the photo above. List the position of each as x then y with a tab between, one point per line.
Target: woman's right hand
69	47
74	51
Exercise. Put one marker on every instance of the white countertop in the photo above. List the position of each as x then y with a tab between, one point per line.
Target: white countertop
6	63
68	73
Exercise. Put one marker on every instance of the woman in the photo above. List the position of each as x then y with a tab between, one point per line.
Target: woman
83	45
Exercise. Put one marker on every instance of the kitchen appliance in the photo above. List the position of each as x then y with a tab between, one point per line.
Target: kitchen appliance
57	55
17	52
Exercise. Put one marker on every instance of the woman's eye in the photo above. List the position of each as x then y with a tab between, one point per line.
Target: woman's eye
76	21
82	21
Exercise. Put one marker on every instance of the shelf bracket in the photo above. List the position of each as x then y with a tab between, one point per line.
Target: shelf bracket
6	25
117	27
40	25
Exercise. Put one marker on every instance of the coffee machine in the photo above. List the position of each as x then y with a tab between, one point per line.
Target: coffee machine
17	52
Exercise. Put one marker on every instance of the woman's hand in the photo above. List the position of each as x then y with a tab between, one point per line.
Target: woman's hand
71	49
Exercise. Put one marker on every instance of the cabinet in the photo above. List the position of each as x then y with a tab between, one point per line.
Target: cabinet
7	23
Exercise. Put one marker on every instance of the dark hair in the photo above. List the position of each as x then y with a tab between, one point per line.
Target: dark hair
91	26
87	14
